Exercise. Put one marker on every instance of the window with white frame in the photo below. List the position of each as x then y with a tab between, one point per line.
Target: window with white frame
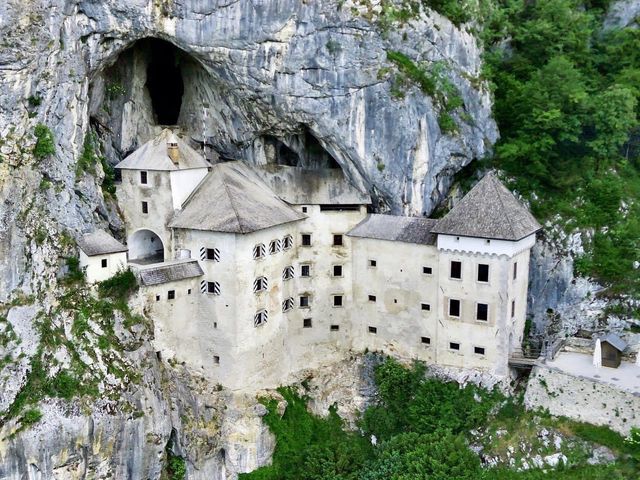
338	300
304	301
305	239
454	307
258	251
287	304
337	270
274	247
482	312
483	272
260	284
287	242
260	318
287	273
210	287
456	270
305	270
211	254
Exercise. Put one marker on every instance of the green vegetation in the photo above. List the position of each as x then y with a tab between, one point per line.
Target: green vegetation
31	416
566	103
177	468
88	159
423	429
109	182
34	101
120	286
45	145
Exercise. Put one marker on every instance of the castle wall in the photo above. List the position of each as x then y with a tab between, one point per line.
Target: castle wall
184	182
93	265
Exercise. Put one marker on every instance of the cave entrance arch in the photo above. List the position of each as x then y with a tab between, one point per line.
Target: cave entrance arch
165	81
145	247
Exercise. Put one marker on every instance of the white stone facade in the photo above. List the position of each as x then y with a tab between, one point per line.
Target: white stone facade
101	267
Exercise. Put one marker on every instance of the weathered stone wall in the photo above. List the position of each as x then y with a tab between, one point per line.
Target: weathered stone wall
582	399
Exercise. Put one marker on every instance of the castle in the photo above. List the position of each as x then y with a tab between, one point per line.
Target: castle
254	273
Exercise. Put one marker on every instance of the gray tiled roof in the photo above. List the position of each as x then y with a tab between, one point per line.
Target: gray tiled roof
302	186
615	341
489	210
394	228
153	155
170	272
232	198
100	243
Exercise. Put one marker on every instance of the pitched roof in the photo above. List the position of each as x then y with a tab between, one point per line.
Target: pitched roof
232	198
615	341
489	210
153	155
170	272
399	229
100	243
302	186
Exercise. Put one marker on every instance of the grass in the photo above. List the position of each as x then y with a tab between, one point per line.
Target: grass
45	145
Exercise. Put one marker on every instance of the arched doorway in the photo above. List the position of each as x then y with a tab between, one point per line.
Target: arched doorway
145	247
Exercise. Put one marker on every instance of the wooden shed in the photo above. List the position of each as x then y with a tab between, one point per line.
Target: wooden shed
612	348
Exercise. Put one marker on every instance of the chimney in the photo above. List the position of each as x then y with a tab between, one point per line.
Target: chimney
172	149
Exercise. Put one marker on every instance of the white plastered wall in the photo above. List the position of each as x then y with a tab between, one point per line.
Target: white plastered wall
95	272
184	182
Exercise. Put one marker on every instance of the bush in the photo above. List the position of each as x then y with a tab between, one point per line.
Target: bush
120	286
31	416
45	145
75	274
177	468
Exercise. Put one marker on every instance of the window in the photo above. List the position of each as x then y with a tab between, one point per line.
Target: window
274	247
373	263
287	242
104	263
478	350
425	340
260	318
456	270
454	346
188	291
482	312
337	240
287	273
454	307
216	360
213	288
515	270
306	239
334	328
259	284
513	308
304	301
143	178
304	209
425	306
306	323
157	298
483	272
305	270
171	295
337	270
372	298
373	330
145	207
211	254
287	304
258	251
427	270
337	300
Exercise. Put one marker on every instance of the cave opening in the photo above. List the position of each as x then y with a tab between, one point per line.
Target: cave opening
164	81
301	150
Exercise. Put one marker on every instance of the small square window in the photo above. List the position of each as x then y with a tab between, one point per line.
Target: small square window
274	247
425	306
337	240
478	350
104	263
287	273
260	318
189	291
337	270
456	270
258	251
425	340
213	287
216	360
304	209
482	312
305	270
143	178
454	308
157	298
427	270
287	242
372	298
213	254
337	300
260	284
306	239
454	346
306	323
515	270
145	207
334	328
215	324
373	263
171	295
373	330
287	305
483	272
304	301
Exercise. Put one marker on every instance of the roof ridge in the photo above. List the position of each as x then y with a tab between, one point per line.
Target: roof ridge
233	207
499	195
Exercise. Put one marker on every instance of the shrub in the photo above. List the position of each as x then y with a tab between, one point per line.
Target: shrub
45	145
75	274
118	287
88	158
30	417
177	468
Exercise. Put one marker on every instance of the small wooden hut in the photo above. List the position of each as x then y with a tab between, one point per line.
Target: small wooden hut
612	348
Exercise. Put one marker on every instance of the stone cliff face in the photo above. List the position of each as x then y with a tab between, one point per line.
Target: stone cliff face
287	80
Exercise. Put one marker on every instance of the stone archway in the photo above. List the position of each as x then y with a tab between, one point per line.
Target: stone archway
145	247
